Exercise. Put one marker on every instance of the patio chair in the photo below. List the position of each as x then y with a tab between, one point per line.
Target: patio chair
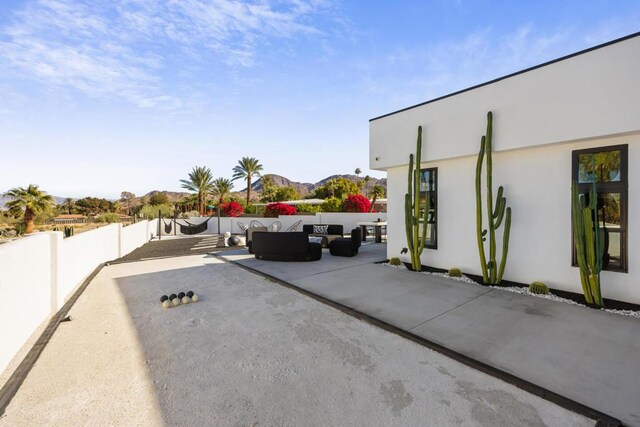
256	223
294	226
346	246
275	226
242	226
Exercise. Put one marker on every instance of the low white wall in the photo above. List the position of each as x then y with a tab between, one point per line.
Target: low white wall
44	269
347	220
26	297
133	236
79	255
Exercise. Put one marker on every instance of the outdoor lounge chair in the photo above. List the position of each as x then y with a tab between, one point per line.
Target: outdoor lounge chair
346	246
249	234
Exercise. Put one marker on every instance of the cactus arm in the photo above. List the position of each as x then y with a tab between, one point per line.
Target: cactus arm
418	246
505	245
492	230
479	232
499	211
407	218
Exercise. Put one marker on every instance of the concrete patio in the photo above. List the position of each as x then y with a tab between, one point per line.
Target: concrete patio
588	356
251	352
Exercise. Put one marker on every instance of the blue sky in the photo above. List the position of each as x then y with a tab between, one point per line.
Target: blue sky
103	96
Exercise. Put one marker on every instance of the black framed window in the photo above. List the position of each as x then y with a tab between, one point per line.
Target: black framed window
611	179
429	189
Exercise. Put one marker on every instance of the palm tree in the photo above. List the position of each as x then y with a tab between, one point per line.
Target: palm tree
376	191
200	181
221	188
69	204
28	202
247	168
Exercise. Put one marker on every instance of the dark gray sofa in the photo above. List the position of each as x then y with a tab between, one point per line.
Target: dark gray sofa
285	246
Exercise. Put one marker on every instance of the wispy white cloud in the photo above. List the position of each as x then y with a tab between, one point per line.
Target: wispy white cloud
124	48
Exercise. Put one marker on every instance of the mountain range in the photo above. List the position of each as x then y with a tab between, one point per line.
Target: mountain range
303	188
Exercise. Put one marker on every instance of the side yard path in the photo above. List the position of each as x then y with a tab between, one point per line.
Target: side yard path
250	352
570	354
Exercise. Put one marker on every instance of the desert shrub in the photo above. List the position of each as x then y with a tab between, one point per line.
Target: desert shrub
109	218
251	209
231	209
356	203
332	204
151	212
274	209
538	288
455	272
307	208
190	214
395	261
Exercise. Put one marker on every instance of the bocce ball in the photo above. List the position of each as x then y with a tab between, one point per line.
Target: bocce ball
195	298
186	300
175	301
181	295
234	241
172	297
190	294
166	303
163	298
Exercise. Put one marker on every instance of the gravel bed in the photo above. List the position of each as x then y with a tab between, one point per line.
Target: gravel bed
523	291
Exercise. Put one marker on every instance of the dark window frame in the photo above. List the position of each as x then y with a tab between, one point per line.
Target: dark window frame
434	172
621	187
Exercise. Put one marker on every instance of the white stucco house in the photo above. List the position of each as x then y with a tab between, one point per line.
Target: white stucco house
548	121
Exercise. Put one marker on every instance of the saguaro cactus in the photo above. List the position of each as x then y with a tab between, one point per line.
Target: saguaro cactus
491	272
589	241
415	239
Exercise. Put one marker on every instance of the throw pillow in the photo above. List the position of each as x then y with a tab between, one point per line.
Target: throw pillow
320	229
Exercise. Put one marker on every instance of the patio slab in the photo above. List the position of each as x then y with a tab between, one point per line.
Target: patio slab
589	356
249	353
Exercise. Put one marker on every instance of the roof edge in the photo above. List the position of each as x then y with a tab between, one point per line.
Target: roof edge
526	70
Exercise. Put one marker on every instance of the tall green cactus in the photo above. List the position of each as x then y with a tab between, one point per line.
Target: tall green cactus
415	239
589	242
491	272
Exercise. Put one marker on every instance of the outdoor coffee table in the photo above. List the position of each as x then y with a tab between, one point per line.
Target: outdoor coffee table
318	239
377	226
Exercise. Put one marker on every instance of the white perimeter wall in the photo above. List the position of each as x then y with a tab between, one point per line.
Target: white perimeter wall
537	185
347	220
39	273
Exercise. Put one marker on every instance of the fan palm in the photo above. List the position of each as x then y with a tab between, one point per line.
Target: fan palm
201	182
28	202
247	168
376	191
221	189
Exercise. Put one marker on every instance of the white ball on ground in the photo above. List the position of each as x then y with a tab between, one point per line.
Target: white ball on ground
186	300
166	303
175	301
195	298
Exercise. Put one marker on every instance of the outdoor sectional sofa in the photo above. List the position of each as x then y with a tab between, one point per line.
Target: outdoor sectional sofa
328	232
285	246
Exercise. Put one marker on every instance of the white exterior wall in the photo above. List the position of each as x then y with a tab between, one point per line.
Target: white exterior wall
45	269
540	117
537	185
592	95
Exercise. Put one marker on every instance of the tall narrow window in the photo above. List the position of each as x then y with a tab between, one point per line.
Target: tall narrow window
610	176
429	189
